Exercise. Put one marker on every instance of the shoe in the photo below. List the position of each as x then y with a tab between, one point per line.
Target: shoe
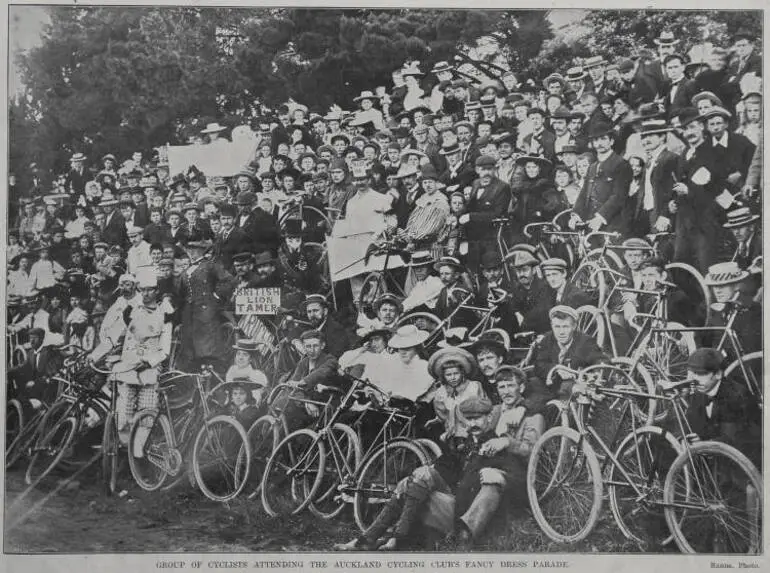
390	545
356	544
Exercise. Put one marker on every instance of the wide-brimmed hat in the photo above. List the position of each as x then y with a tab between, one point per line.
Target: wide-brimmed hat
593	62
366	94
406	170
717	110
369	332
421	258
408	336
248	173
724	274
462	357
77	157
575	74
599	129
710	96
494	339
687	115
448	262
247	345
439	67
213	128
740	218
450	149
654	127
541	161
666	38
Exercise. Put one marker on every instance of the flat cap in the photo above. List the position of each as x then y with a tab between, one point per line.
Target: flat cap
475	406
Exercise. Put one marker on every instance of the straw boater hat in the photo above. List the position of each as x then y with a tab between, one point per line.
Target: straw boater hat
451	354
654	126
448	262
593	62
421	258
575	74
366	94
213	128
725	273
408	336
739	218
246	345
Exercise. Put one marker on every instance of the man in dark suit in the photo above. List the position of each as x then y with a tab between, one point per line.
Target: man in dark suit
530	297
696	223
114	231
316	309
679	89
540	141
488	201
745	242
75	182
721	409
733	152
231	240
562	292
30	379
663	170
496	290
640	83
455	290
747	60
205	285
600	201
195	228
458	174
563	346
258	225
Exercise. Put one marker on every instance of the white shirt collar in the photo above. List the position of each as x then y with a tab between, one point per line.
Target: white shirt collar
722	140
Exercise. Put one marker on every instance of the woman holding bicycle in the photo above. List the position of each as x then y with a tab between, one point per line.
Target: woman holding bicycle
146	345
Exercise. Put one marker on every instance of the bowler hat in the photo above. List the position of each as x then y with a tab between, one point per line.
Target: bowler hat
494	341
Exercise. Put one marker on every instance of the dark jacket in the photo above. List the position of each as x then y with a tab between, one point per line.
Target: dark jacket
115	232
737	157
228	246
533	305
204	292
683	94
261	230
605	191
337	338
492	204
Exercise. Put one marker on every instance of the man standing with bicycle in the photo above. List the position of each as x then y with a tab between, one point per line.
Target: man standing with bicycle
146	345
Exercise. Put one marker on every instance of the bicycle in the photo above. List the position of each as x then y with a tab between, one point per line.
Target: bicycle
295	472
81	406
657	468
586	276
213	442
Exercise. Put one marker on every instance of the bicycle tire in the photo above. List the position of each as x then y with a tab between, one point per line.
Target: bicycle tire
697	281
59	439
220	434
110	454
591	322
431	448
587	278
640	519
572	453
264	436
22	444
18	356
643	409
282	494
14	423
753	362
158	443
327	502
688	465
372	475
609	256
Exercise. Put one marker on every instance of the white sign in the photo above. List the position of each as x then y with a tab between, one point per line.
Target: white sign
257	301
223	158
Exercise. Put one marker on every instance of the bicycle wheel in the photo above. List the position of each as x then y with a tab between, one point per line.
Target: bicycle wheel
14	423
747	370
52	448
380	475
22	444
609	258
713	496
301	454
375	285
691	282
643	408
430	447
345	453
221	458
666	359
556	414
588	279
609	416
18	356
263	437
645	455
564	485
591	322
110	454
159	457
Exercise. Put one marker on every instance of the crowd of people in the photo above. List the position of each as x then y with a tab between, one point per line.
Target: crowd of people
128	257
